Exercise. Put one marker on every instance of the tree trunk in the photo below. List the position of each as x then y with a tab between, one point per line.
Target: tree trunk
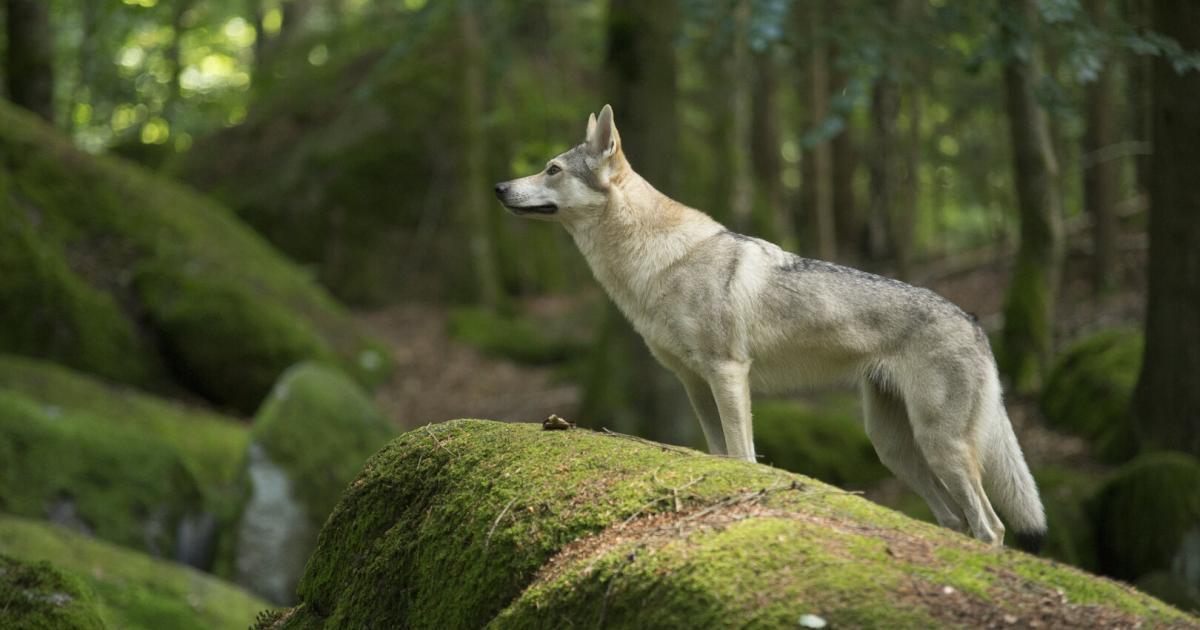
89	18
30	56
847	220
1029	308
885	107
770	221
904	214
817	185
1140	66
474	204
1100	171
742	183
640	81
174	55
1167	400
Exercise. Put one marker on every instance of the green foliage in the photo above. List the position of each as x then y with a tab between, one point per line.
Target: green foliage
471	522
131	590
826	442
115	482
320	427
1145	513
514	337
153	271
36	596
1089	390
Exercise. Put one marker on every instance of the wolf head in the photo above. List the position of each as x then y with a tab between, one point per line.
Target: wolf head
574	184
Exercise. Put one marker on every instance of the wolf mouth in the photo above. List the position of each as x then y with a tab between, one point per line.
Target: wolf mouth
544	209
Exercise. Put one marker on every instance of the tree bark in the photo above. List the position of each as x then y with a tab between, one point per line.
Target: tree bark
1140	66
1100	171
817	167
30	64
175	55
844	160
1167	400
885	107
1029	308
742	182
474	204
770	221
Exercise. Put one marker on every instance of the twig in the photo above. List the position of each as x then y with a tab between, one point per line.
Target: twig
437	441
675	502
488	541
665	447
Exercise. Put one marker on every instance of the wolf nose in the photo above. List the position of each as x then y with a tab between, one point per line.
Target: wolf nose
501	188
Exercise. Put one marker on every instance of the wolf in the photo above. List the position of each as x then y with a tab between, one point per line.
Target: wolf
730	314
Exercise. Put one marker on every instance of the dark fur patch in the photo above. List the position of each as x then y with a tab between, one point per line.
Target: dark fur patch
1030	542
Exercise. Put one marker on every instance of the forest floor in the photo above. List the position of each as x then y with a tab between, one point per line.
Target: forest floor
438	378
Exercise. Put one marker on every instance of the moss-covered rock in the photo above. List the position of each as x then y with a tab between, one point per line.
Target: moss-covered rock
1067	495
1171	588
1148	518
474	522
125	452
108	269
826	442
309	440
36	596
1089	391
131	590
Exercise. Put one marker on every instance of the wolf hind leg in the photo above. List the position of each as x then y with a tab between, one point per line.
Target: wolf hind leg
887	426
942	431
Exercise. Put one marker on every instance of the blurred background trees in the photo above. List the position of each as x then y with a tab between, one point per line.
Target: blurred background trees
1033	161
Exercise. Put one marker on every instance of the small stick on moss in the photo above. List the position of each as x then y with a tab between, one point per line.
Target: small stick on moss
665	447
437	441
488	541
675	503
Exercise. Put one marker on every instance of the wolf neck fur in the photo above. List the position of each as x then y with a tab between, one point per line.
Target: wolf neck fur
638	236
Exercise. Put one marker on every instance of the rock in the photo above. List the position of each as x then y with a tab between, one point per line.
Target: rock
309	439
472	523
827	442
1068	497
1089	390
126	589
113	271
34	595
1148	518
109	461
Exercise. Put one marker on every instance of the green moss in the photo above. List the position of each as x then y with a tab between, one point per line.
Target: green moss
1067	495
471	522
513	338
131	590
1172	589
116	482
150	262
1089	390
320	427
1145	512
36	596
827	442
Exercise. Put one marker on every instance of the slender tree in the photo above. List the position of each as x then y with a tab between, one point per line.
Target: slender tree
474	204
1167	400
1100	172
30	62
818	159
885	108
844	162
738	72
1029	308
770	220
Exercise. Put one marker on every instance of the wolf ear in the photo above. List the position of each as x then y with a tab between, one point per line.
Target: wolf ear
602	139
591	128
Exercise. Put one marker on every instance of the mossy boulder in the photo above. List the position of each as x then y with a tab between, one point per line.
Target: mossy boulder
111	270
1090	388
1068	495
308	441
471	523
122	465
36	596
826	441
129	590
1148	518
1171	588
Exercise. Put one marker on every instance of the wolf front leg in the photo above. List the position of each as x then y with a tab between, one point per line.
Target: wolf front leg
705	405
730	384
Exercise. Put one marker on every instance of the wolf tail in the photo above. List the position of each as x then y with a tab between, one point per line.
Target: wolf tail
1009	484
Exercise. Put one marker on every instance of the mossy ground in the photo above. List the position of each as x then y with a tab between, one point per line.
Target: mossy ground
121	458
131	277
473	522
825	441
320	427
516	338
36	596
1090	388
131	590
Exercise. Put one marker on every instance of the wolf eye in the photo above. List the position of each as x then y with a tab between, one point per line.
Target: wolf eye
553	170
